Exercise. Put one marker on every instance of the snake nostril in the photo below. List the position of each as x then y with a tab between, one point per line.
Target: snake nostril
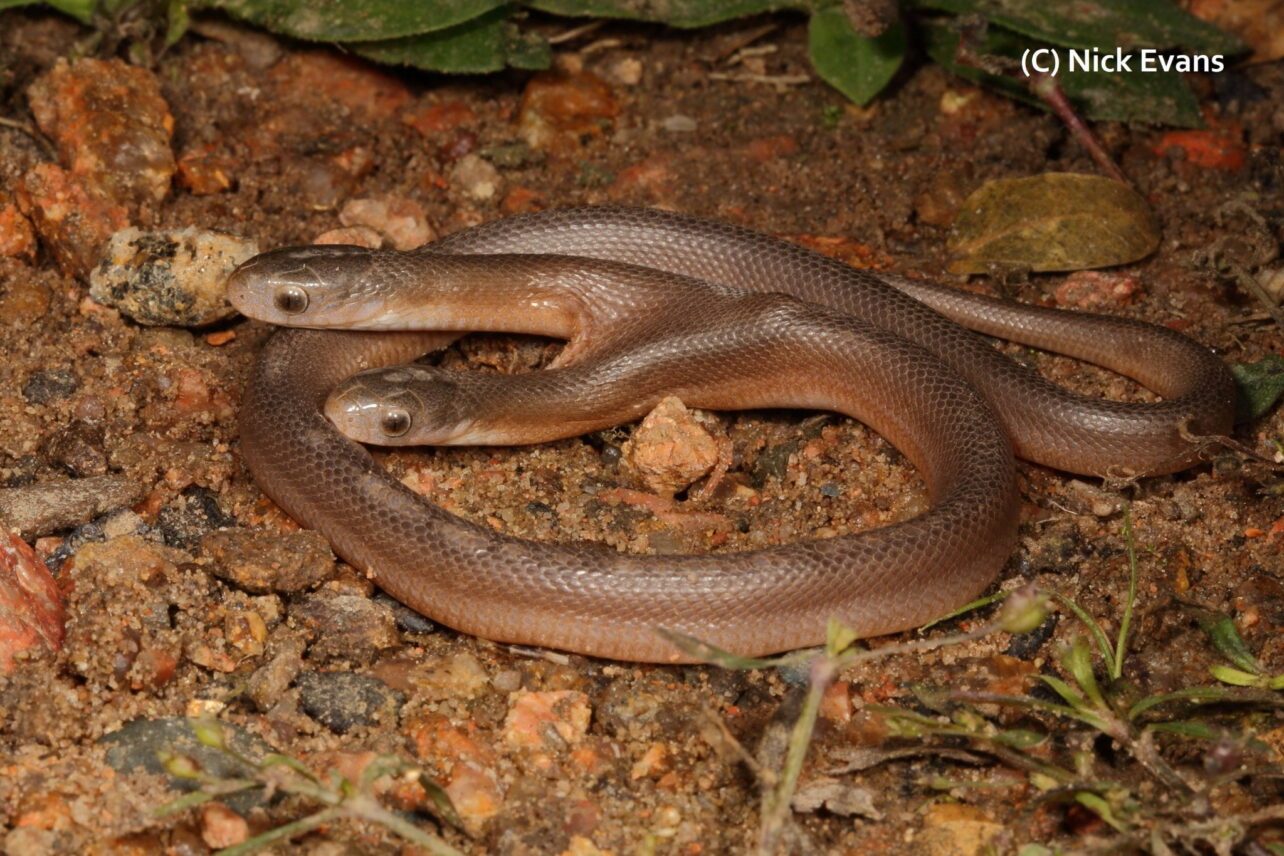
395	422
291	299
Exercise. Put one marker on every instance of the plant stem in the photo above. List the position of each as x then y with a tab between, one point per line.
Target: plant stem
1125	623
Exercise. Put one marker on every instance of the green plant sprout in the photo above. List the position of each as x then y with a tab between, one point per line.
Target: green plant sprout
1020	614
1113	709
1246	671
341	797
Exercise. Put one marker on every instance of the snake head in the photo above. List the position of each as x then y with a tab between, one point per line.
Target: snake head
400	406
317	286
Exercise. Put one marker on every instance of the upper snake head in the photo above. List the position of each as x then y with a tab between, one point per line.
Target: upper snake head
317	286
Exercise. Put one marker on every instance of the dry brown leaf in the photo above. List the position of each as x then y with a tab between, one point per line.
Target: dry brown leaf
1055	221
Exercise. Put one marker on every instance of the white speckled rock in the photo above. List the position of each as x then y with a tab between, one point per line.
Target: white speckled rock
169	278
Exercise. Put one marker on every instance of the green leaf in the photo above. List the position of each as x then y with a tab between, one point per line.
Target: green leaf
486	43
1195	694
1098	635
183	803
1235	677
1035	850
177	21
675	13
967	607
1225	637
276	759
356	20
1024	612
180	766
838	637
442	807
856	66
1019	738
81	10
1198	730
1158	97
1101	808
1260	386
1078	662
1101	24
209	732
1072	698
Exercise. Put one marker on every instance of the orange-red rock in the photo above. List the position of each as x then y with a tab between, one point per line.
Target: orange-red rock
109	123
32	613
17	237
558	108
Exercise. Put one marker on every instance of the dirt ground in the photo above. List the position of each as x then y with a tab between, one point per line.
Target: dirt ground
258	625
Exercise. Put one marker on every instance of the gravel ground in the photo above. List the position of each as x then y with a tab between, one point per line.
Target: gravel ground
187	592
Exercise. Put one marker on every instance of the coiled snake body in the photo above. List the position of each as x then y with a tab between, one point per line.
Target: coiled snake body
780	326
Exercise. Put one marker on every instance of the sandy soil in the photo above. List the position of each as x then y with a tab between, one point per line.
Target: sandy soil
260	626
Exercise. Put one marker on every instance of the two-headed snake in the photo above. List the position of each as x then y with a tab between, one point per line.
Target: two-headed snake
641	320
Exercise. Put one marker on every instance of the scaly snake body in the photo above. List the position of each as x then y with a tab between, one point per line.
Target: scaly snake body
635	317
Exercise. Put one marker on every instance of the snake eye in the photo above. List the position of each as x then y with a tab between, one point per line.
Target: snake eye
291	299
395	422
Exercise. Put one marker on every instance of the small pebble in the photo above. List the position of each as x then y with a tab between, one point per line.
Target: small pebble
343	700
1087	497
122	521
670	449
261	562
402	221
109	121
476	176
679	124
77	448
543	720
353	236
17	235
458	677
270	681
42	509
73	216
345	626
560	107
49	385
836	796
956	830
191	515
221	827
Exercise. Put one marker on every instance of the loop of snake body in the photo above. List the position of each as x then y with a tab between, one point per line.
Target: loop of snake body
654	303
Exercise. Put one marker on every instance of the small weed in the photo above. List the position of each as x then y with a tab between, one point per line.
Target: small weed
1019	614
1178	819
341	797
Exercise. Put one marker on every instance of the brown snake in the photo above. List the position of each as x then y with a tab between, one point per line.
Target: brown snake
635	322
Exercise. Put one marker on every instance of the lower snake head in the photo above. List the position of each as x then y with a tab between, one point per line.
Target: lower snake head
409	405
